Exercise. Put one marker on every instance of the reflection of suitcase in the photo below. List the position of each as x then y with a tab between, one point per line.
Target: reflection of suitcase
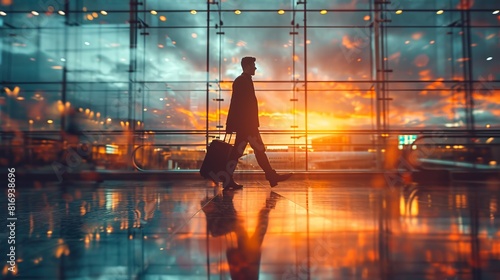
220	214
215	165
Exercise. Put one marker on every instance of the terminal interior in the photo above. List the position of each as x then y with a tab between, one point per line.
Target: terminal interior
386	113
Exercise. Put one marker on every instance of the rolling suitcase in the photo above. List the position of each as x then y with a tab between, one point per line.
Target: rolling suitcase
215	164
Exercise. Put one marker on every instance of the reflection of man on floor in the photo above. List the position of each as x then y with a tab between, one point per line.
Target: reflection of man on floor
244	260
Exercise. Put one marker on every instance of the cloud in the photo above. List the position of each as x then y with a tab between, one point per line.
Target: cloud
172	60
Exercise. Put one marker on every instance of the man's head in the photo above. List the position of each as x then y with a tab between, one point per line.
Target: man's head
248	65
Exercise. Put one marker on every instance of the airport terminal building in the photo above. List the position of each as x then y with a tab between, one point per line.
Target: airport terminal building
386	113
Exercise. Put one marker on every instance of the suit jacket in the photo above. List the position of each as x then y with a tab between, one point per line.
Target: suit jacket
243	112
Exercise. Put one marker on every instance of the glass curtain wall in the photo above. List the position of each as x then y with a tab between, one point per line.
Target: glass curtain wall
338	82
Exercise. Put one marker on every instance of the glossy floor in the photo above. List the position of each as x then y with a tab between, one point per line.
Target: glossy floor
313	229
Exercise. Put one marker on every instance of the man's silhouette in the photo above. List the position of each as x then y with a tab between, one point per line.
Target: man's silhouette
244	260
243	118
222	218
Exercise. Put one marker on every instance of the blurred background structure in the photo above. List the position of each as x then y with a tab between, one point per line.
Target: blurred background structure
387	112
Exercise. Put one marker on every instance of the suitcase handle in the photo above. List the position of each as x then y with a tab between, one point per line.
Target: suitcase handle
229	140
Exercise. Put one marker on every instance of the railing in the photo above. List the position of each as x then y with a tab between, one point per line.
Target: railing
459	150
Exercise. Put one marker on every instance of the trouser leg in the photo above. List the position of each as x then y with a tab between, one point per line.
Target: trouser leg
259	148
263	162
239	147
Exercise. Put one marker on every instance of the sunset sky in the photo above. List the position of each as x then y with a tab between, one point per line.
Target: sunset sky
423	48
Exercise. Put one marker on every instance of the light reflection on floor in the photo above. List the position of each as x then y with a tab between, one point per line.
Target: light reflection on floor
298	230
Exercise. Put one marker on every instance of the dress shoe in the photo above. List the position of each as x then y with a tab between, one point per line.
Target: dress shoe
272	200
274	178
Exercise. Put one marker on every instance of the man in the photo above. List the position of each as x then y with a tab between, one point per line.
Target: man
243	118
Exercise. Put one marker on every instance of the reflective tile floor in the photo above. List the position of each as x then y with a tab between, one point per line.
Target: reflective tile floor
309	229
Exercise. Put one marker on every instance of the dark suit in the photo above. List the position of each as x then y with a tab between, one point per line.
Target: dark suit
243	118
243	111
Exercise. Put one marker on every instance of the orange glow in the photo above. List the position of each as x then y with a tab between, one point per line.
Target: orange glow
322	121
61	249
414	207
226	85
425	75
6	2
6	270
395	57
349	44
416	36
402	206
366	18
194	116
421	60
13	92
465	4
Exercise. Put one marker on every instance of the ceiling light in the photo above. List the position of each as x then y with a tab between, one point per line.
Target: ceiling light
323	12
35	13
62	13
2	13
193	12
398	12
440	12
496	12
238	12
104	13
489	58
281	12
153	12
